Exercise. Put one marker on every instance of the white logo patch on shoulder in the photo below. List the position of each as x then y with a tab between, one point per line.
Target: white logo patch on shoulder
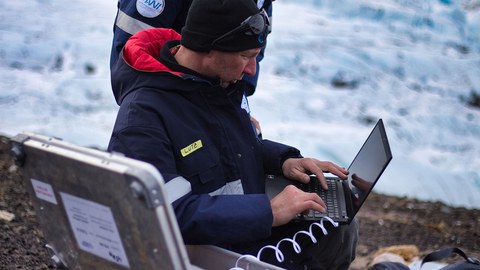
150	8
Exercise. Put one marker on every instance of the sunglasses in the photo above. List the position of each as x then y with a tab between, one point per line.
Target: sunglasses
254	25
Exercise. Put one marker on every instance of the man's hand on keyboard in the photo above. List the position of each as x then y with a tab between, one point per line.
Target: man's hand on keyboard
300	169
293	201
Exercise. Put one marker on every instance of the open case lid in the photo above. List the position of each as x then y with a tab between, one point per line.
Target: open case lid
99	210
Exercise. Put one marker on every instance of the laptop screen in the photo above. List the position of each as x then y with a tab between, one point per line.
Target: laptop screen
368	165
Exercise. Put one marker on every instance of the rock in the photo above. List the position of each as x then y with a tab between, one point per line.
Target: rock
388	257
406	252
6	216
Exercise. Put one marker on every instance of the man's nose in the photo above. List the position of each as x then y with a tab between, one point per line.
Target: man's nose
251	67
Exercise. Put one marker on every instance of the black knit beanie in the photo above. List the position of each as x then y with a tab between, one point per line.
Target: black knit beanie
209	19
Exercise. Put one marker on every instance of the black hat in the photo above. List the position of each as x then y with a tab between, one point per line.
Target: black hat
210	23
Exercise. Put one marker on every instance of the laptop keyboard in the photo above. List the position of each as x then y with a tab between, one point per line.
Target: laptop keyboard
329	197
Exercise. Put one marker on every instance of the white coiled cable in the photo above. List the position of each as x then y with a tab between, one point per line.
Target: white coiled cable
296	247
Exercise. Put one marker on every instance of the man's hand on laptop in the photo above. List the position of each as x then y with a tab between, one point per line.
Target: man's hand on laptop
300	169
293	201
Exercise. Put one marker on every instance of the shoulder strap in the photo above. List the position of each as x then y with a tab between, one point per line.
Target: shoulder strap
447	252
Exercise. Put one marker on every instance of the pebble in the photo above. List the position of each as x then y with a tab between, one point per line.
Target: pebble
6	216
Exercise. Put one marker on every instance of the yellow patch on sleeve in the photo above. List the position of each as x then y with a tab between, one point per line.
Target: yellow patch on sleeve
191	148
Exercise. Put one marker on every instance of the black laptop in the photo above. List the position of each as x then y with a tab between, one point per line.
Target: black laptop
344	197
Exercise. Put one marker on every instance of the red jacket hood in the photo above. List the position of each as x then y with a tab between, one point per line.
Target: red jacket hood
142	50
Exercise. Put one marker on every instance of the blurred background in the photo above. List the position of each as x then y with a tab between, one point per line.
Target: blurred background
331	69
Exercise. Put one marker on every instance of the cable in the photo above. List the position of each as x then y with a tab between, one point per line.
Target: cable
296	247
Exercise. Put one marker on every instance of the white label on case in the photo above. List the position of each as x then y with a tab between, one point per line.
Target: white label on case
43	191
94	229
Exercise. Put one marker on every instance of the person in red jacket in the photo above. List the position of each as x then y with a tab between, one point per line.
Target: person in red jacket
184	109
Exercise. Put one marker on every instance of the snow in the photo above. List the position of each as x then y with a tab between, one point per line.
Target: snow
415	64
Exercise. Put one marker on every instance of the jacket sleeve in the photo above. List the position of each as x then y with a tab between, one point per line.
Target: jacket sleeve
203	219
274	154
224	219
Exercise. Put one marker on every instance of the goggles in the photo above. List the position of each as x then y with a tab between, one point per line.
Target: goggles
254	25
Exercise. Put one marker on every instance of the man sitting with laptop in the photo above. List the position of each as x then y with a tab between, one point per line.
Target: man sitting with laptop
183	109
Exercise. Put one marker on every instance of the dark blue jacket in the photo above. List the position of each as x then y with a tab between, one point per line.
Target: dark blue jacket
200	137
160	14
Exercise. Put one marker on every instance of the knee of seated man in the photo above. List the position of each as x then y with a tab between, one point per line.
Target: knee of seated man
346	235
352	231
336	250
346	245
352	237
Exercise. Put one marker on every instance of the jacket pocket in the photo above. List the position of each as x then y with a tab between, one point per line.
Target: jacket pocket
202	169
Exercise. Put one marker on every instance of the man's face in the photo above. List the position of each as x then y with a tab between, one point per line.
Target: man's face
230	67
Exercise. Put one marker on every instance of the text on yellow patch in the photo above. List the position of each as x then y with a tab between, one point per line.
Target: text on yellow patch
191	148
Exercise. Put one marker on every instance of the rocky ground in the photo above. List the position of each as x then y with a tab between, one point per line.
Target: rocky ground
384	221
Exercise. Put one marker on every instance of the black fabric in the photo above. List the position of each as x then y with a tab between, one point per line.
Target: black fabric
209	19
467	264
